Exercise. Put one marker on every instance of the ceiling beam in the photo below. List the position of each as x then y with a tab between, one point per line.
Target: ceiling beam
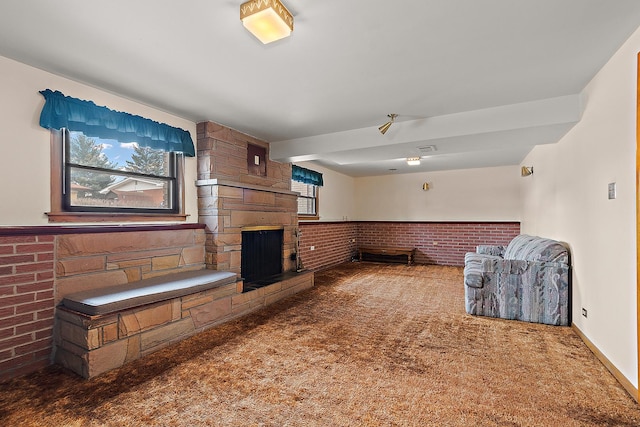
541	114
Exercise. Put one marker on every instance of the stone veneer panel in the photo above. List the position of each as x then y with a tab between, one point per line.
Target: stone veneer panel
158	338
209	312
87	244
137	321
105	358
230	198
93	260
94	280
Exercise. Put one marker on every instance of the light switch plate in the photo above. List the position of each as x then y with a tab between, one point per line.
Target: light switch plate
612	190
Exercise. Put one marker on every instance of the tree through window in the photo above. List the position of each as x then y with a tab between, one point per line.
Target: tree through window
110	176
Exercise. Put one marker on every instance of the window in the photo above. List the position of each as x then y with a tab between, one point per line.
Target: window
94	176
107	175
306	182
308	199
108	165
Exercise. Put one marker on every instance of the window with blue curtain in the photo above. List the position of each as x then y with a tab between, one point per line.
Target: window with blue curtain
74	114
114	162
306	182
306	176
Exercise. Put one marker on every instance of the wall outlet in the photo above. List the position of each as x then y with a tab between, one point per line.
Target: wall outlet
312	248
612	190
435	243
584	312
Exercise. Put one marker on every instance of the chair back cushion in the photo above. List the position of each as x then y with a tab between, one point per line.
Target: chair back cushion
532	248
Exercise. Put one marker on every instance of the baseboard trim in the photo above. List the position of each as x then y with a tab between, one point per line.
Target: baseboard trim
624	382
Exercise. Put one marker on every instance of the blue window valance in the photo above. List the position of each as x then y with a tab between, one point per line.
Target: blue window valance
306	176
62	111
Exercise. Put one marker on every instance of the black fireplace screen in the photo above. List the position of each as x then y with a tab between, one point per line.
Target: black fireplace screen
261	254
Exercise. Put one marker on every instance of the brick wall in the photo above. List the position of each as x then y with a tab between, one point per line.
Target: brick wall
441	243
26	303
39	265
333	242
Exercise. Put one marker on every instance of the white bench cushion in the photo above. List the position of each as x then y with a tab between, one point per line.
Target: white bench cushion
115	298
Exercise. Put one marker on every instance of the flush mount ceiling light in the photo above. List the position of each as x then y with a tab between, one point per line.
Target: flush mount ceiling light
268	20
413	161
385	127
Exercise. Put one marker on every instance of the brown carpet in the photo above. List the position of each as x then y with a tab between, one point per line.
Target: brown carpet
370	345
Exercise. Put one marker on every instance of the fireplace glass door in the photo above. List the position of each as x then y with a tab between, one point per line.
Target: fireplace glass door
261	254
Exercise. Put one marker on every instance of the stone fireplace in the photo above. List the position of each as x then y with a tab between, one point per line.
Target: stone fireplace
241	190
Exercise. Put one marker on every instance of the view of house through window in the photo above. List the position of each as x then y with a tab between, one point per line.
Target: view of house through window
107	175
308	199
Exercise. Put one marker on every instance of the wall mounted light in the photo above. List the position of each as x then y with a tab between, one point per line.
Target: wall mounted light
413	161
526	170
425	186
385	127
267	20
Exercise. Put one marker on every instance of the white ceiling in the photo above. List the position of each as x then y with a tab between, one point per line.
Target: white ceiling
481	80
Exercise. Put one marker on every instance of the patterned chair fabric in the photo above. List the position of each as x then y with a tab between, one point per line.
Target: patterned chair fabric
528	280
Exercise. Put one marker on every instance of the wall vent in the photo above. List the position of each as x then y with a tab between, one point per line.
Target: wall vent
427	149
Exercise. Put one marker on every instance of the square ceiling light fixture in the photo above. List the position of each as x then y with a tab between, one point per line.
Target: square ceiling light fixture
413	161
268	20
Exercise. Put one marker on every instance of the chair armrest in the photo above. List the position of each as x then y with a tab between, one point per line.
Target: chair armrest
474	268
490	250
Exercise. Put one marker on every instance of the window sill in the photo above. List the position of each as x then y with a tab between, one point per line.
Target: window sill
58	217
308	217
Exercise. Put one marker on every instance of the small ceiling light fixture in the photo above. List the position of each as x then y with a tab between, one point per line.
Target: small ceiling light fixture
413	161
385	127
268	20
526	170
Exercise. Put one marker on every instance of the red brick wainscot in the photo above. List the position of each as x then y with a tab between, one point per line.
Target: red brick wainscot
440	243
333	243
26	302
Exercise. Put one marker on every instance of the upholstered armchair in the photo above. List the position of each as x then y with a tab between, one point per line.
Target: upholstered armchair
528	280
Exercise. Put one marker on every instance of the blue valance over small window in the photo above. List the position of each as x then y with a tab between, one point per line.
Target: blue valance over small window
306	176
62	111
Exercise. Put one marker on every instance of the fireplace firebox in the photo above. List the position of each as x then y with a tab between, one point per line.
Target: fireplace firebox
261	254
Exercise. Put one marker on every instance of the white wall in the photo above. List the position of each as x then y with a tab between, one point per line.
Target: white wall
336	201
485	194
566	199
24	145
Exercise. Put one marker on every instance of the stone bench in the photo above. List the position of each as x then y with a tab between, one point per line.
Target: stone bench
99	330
104	328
